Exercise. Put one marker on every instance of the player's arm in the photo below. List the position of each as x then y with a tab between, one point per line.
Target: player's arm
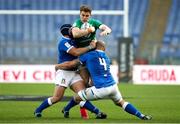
77	33
105	30
67	64
78	51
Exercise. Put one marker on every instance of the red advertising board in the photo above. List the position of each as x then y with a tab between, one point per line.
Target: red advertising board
34	73
156	74
27	73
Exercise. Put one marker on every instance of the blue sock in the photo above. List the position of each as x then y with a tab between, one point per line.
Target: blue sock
91	107
132	110
71	104
43	105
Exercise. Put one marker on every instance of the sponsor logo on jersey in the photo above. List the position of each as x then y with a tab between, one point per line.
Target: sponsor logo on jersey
67	45
63	81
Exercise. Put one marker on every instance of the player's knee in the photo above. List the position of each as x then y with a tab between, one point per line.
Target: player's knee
120	102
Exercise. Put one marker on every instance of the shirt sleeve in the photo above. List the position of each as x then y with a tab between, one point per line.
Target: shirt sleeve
66	46
97	23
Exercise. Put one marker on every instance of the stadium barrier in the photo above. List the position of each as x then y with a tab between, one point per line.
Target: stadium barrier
34	73
156	74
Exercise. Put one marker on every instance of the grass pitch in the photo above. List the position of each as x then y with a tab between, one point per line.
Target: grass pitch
160	101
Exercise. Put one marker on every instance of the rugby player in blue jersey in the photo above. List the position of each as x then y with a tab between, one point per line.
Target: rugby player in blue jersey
68	77
98	64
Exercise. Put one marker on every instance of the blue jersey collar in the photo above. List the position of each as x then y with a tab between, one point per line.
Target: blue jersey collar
67	38
100	50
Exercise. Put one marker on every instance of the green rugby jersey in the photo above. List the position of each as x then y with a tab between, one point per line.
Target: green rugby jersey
85	40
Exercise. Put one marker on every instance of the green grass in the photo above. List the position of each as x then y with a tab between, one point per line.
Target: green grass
160	101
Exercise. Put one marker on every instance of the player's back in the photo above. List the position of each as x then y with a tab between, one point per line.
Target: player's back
98	65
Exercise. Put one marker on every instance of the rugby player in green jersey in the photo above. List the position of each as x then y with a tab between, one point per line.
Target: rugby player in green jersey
84	32
85	22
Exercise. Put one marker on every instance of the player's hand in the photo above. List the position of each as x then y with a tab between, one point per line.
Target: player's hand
104	33
56	67
93	44
91	29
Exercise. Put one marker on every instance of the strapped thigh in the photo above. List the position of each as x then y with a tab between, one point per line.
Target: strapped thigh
93	93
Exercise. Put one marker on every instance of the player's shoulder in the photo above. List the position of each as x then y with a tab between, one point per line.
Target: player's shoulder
95	22
87	53
77	22
64	40
91	53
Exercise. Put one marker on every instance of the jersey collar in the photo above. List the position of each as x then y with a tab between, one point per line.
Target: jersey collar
100	50
66	38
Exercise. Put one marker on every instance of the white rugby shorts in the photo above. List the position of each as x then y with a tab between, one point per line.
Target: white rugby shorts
66	78
93	93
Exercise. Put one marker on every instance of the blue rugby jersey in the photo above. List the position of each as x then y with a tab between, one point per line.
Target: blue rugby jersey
64	45
98	65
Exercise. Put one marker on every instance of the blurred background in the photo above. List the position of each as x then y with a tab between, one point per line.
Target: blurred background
154	26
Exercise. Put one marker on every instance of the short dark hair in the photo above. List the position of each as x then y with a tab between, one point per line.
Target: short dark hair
85	8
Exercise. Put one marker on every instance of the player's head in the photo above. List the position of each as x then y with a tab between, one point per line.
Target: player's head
100	45
65	30
85	13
